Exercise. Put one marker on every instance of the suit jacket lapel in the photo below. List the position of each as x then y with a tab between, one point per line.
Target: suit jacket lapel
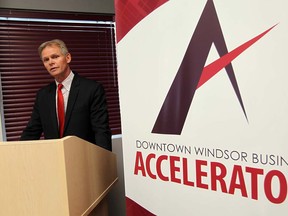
52	108
73	94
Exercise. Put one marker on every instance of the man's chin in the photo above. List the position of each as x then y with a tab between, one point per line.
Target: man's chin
54	73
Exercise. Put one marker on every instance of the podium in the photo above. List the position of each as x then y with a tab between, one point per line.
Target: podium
67	176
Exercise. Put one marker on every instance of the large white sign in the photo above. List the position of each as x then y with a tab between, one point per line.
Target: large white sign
204	106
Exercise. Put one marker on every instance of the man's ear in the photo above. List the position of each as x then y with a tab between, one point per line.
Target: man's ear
68	58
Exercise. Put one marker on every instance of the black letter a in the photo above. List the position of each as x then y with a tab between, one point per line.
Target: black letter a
175	108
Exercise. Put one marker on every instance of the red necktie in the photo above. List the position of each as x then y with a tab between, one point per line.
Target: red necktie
61	112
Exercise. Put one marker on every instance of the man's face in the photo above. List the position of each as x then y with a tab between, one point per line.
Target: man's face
56	63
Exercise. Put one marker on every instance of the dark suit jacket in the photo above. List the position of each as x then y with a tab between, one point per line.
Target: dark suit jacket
86	115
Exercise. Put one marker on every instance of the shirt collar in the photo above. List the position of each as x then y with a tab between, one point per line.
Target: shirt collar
67	82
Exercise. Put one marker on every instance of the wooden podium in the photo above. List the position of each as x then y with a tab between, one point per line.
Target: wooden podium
60	177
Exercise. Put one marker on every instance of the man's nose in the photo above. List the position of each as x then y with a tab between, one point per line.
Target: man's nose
51	61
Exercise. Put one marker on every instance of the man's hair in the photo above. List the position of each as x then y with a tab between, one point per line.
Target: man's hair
55	42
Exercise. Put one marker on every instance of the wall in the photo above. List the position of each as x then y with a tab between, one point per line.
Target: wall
116	198
92	6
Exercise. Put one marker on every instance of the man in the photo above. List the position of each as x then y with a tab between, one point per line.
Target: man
84	109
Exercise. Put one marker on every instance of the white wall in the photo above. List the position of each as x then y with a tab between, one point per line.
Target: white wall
116	197
91	6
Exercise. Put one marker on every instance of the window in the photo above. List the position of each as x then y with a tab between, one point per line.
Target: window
90	39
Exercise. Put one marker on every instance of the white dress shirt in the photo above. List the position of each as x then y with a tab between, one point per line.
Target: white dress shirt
65	90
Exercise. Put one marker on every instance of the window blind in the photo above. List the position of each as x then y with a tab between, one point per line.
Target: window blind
90	39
